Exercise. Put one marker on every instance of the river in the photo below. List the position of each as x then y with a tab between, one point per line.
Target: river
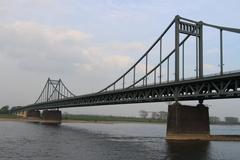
117	141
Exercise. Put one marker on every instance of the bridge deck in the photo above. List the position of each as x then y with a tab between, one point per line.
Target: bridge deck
213	87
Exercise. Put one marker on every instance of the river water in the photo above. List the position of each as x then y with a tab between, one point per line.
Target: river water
117	141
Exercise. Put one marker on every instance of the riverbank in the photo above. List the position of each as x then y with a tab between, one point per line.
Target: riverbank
71	118
196	137
9	117
98	118
86	119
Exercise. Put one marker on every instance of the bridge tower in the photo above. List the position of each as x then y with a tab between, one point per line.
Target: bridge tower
53	90
189	28
188	122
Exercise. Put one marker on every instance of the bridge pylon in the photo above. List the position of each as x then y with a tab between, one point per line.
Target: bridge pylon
54	90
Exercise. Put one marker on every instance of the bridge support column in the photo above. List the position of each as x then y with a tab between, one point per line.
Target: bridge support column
18	113
22	114
53	117
187	122
33	115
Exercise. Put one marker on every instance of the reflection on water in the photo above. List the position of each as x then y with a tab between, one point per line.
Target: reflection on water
196	150
86	141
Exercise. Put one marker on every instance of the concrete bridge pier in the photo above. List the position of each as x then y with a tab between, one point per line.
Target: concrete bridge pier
188	122
53	117
18	114
33	116
22	114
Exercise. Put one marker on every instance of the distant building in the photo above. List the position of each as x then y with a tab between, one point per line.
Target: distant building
231	120
214	120
163	115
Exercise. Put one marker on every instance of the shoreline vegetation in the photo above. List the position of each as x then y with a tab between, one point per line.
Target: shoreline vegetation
144	117
112	119
101	118
73	118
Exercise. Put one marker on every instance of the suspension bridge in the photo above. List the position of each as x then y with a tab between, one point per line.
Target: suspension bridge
152	87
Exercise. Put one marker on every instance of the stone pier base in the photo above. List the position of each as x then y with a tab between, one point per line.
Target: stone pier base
22	114
187	122
53	117
33	116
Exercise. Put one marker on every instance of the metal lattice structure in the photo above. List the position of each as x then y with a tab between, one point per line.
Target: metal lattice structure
141	90
54	90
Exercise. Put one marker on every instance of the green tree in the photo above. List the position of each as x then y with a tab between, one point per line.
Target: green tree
231	120
4	110
143	114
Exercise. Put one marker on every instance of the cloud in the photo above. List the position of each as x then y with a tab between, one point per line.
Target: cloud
209	68
40	48
33	52
117	61
212	51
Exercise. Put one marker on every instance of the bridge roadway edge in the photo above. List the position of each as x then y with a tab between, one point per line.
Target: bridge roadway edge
204	88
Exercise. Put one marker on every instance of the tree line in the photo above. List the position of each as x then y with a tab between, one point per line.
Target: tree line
162	116
7	109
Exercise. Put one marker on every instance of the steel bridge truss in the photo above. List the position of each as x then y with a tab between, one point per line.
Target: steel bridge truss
215	87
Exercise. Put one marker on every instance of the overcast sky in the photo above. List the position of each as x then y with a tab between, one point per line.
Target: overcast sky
89	43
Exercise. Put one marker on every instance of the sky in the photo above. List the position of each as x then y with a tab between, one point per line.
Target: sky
89	43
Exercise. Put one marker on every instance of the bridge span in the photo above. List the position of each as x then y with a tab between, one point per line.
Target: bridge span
151	87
